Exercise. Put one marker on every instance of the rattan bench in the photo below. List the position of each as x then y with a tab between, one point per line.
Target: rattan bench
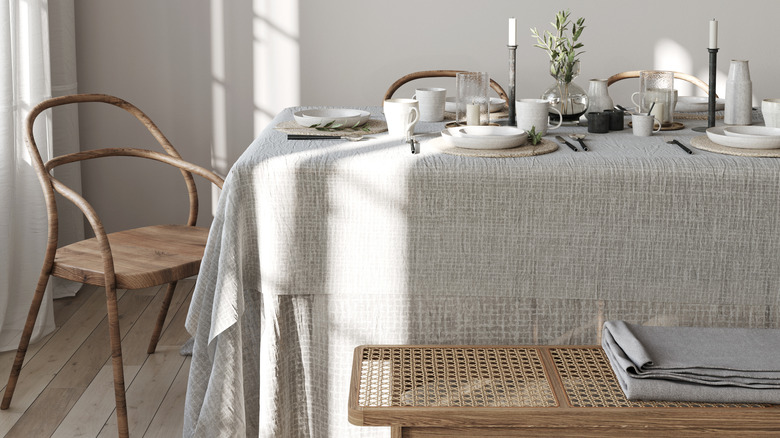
490	391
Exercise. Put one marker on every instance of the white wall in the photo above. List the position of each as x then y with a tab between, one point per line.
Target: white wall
212	73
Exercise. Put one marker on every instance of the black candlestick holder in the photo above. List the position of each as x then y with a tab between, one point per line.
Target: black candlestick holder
712	94
512	120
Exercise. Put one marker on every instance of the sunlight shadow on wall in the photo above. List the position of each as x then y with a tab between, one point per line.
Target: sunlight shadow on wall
219	151
670	55
277	66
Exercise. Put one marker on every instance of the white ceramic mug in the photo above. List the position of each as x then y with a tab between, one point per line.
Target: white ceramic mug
535	113
643	125
431	103
771	110
401	116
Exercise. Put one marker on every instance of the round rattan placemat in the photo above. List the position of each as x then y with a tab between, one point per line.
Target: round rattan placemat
543	147
704	143
374	126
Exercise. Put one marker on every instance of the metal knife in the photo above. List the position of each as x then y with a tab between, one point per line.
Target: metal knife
559	138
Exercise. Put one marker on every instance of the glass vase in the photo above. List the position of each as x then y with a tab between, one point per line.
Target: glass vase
566	96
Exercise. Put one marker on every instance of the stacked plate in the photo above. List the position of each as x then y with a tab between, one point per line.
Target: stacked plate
331	118
745	137
496	104
484	137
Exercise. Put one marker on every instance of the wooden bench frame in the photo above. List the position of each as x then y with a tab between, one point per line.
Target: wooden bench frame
565	418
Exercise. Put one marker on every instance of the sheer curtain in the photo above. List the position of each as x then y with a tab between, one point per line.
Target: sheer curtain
37	61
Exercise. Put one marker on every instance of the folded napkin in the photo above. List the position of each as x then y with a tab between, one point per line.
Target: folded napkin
694	363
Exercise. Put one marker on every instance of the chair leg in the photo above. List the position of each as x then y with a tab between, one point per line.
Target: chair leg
24	342
116	360
161	318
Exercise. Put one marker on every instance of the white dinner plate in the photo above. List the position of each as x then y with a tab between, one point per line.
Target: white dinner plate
485	137
694	104
337	117
496	104
718	135
752	131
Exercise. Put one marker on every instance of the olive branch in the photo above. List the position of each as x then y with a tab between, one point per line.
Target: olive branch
562	49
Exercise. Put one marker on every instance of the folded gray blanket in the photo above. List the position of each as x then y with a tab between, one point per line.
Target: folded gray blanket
694	364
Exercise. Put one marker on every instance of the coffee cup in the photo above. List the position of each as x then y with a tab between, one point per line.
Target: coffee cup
770	108
401	116
535	113
643	124
431	103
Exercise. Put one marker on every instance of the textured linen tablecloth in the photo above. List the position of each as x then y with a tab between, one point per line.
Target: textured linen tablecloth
320	246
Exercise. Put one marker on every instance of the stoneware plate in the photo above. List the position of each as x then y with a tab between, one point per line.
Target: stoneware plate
694	104
340	118
485	137
496	104
718	135
751	131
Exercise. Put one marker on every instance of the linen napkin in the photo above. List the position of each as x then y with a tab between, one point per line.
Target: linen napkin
694	363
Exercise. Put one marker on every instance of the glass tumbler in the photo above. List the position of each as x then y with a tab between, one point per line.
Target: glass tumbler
657	87
472	98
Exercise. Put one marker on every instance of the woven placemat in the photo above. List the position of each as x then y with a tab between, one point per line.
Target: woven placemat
697	116
543	147
374	126
704	143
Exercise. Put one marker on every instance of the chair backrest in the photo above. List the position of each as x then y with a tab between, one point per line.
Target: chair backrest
677	75
51	185
438	74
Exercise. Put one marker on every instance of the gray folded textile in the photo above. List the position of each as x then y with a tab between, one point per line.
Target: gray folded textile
694	363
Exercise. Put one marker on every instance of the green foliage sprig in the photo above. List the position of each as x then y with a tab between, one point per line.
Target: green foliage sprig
332	126
533	136
562	49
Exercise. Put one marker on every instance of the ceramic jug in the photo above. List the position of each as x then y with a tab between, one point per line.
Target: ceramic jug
739	90
598	96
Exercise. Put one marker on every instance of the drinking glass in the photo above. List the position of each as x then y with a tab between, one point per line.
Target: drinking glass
473	104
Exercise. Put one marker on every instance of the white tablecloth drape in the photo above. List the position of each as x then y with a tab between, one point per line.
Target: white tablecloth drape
321	246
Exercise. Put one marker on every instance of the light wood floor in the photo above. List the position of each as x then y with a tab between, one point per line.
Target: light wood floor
66	385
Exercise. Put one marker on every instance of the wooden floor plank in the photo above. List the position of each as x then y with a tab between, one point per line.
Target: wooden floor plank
169	419
63	311
147	391
94	408
79	370
54	400
50	376
39	371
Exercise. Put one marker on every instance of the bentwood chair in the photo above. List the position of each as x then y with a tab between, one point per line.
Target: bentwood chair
438	74
677	75
131	259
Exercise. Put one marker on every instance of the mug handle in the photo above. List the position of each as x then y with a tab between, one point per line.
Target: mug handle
638	105
412	118
560	119
660	125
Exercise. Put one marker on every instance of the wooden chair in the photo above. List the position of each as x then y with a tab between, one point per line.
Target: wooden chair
438	74
131	259
677	75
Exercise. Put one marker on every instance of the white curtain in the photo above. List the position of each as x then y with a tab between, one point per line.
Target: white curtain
37	60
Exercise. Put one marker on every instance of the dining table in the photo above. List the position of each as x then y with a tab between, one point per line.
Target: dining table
322	245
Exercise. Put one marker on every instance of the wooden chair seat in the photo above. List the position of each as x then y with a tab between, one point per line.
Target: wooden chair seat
143	257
